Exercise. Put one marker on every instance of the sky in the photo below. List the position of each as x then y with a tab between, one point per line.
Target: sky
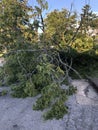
76	4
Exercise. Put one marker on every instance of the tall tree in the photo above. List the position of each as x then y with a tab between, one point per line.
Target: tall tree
14	19
87	17
60	26
38	13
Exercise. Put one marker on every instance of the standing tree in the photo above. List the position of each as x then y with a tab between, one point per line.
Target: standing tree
14	20
42	5
60	27
87	17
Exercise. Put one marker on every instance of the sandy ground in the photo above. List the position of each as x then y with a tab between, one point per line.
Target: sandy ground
17	114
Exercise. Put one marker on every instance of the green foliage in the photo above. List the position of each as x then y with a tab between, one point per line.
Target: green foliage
49	93
86	64
1	76
59	29
43	4
24	89
95	22
58	110
87	17
11	69
14	28
4	92
83	43
53	97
